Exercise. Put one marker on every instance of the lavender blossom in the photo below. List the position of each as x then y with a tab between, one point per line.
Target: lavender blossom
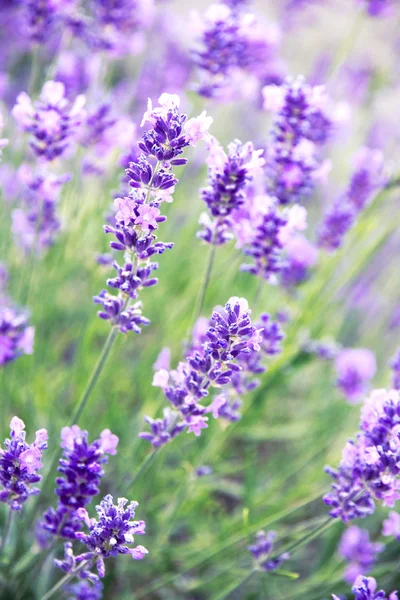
391	525
262	549
111	534
41	18
377	8
53	121
364	588
229	176
214	364
83	590
81	473
16	337
299	127
19	465
360	553
369	468
35	224
301	256
138	215
355	367
367	179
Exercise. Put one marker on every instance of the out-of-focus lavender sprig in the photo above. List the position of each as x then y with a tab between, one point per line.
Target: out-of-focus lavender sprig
16	336
226	357
35	223
368	178
300	126
229	176
395	365
262	549
364	588
377	8
138	215
369	469
52	121
109	535
359	552
355	367
39	20
232	47
81	472
84	590
19	465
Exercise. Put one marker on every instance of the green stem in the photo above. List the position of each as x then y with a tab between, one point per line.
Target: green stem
7	530
142	468
205	283
69	577
33	77
316	532
228	591
80	407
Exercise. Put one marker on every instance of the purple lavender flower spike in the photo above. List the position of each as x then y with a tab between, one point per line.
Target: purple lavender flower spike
81	473
369	468
53	121
364	588
19	465
229	176
299	127
42	18
111	534
391	525
83	590
301	257
16	337
224	354
138	215
360	553
262	549
355	367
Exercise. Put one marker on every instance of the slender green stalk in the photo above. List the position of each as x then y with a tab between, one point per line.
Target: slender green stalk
205	283
147	461
234	587
69	577
6	531
316	532
35	68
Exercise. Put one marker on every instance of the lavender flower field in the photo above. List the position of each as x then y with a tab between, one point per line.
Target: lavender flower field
199	300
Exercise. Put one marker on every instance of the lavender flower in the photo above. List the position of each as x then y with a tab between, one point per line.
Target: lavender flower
369	468
41	18
395	364
300	125
83	590
111	534
262	549
364	588
19	465
391	525
377	8
355	367
36	224
16	337
81	469
229	176
52	120
138	215
367	179
361	554
301	256
214	364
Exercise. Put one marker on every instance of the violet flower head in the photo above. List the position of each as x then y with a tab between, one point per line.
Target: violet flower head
364	588
377	8
138	215
19	465
112	533
81	472
16	336
52	121
262	549
41	18
84	590
300	126
229	176
359	552
369	468
355	367
301	256
391	525
212	364
338	220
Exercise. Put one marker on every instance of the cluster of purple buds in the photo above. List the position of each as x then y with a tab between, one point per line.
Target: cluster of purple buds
364	588
262	549
35	224
355	367
369	469
16	336
212	365
299	127
377	8
367	179
84	590
360	553
229	176
41	18
19	465
81	472
138	215
52	121
109	535
232	46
